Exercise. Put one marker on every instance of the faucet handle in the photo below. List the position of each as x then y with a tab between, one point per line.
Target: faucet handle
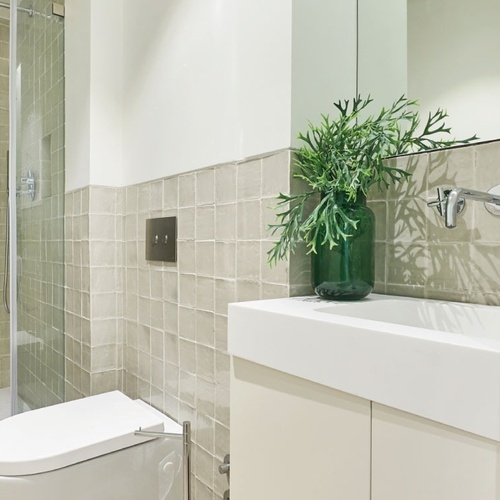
440	201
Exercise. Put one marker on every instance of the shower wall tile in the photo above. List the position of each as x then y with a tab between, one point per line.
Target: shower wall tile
416	255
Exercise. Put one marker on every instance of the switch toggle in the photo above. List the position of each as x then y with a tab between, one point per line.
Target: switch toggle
161	237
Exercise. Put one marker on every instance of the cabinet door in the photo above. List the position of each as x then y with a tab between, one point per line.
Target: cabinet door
417	459
292	439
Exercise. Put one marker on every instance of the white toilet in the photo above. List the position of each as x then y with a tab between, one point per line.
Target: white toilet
87	450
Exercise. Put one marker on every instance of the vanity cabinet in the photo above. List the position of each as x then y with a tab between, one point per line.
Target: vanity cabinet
417	459
292	439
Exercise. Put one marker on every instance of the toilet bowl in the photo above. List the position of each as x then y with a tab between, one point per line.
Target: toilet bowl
87	449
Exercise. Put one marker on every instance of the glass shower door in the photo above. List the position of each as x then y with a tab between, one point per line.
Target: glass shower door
37	280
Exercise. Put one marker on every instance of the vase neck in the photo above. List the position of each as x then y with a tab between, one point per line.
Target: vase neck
343	199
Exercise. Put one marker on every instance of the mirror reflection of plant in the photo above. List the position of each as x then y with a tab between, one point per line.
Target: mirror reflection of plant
345	156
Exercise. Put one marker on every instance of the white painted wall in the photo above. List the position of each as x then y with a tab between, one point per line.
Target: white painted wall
205	82
93	67
157	88
168	87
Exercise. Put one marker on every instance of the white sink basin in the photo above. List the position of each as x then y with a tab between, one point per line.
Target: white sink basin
438	360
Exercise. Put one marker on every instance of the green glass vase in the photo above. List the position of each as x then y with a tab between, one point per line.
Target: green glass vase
347	271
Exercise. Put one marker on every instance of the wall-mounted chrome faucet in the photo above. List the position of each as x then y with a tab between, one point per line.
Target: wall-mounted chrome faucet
451	202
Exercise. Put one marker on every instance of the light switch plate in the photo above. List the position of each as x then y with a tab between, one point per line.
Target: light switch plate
161	239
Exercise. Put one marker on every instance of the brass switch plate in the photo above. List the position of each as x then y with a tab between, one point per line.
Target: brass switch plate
161	239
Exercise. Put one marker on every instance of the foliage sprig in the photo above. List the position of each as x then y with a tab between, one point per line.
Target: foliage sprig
347	155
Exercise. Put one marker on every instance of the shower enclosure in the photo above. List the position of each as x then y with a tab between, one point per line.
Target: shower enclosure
32	203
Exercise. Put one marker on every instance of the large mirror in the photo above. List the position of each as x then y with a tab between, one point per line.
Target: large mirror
445	53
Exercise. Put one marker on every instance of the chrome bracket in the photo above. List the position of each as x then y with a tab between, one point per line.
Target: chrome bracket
186	445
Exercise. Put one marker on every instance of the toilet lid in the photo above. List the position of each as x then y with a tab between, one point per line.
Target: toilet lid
64	434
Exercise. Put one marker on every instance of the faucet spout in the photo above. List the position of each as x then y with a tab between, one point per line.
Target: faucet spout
458	194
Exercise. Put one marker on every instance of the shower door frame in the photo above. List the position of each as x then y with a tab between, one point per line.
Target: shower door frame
12	203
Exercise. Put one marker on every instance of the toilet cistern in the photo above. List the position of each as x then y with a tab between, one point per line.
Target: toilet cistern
451	202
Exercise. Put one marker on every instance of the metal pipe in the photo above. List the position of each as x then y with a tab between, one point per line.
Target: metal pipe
461	193
186	448
30	11
6	248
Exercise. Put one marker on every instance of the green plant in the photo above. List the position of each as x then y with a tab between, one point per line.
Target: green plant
347	156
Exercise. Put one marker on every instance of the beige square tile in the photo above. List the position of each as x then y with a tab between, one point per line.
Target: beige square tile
225	222
225	183
205	293
186	190
170	191
249	220
187	290
187	356
450	267
273	273
225	259
205	362
248	260
205	333
276	174
485	269
274	291
186	224
249	180
451	168
187	323
205	223
205	397
407	264
205	187
205	433
187	388
171	348
205	253
186	256
247	290
225	293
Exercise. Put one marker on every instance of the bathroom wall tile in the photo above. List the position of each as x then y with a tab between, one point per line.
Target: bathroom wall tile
248	220
170	193
225	259
276	174
205	223
225	184
186	190
449	266
186	224
247	290
249	180
225	222
275	272
225	293
408	263
187	324
451	168
205	328
205	187
187	290
205	256
248	260
205	362
186	256
205	288
205	433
